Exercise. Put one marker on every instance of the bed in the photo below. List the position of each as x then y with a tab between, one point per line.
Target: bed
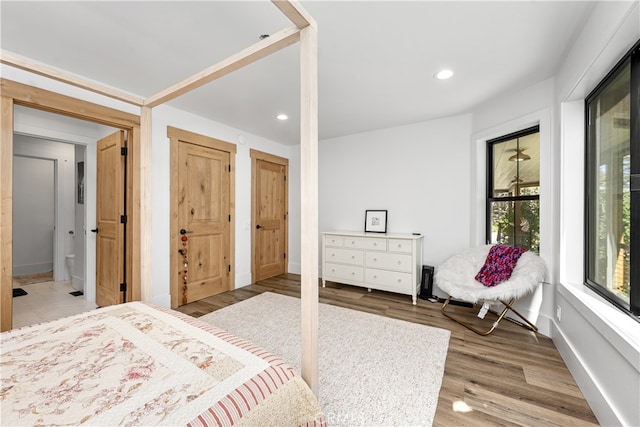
138	364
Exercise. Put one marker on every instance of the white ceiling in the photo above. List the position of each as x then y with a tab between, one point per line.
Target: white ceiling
376	58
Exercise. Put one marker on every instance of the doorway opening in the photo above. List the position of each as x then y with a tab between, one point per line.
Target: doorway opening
54	207
18	94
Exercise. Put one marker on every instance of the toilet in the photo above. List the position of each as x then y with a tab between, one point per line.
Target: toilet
70	259
76	282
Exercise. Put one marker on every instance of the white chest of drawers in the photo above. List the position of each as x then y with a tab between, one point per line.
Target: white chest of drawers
387	262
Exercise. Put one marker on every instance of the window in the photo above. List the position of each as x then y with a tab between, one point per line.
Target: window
612	182
513	189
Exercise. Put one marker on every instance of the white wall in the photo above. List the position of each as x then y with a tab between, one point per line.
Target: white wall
600	344
295	245
33	215
419	173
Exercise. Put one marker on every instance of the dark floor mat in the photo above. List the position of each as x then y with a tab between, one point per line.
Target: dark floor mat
76	293
18	292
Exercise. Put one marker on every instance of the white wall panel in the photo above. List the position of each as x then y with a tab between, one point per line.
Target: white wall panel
419	173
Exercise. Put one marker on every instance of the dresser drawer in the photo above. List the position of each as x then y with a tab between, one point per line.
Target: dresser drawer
400	245
389	280
370	243
330	240
341	271
388	261
344	256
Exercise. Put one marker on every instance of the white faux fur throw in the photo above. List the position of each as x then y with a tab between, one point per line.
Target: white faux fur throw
456	276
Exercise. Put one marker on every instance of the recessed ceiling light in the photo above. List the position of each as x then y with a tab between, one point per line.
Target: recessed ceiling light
444	74
282	117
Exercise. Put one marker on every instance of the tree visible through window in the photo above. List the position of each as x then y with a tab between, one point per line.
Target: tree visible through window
611	189
513	189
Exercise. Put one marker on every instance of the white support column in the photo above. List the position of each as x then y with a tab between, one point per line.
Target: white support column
309	203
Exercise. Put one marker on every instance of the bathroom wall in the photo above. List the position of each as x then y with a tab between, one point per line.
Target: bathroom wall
80	230
62	155
33	213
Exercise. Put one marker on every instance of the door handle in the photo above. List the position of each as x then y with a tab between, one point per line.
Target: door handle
95	230
183	231
258	227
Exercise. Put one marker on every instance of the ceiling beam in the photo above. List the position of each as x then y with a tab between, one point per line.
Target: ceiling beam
295	13
23	63
263	48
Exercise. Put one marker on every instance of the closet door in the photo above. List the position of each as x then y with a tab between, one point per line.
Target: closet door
270	217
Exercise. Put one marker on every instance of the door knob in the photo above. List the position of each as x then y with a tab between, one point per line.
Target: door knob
94	230
258	227
183	231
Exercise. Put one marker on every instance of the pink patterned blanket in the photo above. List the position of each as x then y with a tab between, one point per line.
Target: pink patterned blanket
137	364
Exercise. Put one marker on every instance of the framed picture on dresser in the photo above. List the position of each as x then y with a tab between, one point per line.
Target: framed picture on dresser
375	221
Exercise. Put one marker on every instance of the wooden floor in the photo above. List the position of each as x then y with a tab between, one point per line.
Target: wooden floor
511	377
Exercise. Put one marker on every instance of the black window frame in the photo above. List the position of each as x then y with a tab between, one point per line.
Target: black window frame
633	309
490	178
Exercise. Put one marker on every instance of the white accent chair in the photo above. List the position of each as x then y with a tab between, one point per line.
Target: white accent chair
456	276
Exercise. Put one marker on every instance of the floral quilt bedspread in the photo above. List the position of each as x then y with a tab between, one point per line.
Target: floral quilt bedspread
137	364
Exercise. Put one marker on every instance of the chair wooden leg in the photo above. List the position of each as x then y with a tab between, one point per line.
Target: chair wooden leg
507	306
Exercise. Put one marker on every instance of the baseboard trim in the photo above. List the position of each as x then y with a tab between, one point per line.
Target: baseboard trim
295	268
597	401
23	270
243	280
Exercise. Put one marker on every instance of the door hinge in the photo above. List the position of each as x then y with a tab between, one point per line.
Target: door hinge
123	151
123	219
284	256
229	168
229	218
123	287
229	268
285	177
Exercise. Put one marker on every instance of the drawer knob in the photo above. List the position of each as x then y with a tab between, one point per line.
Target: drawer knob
375	277
399	262
375	244
375	260
353	257
399	280
353	273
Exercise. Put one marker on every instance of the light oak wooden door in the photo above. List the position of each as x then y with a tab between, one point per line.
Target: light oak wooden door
109	221
270	219
203	248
